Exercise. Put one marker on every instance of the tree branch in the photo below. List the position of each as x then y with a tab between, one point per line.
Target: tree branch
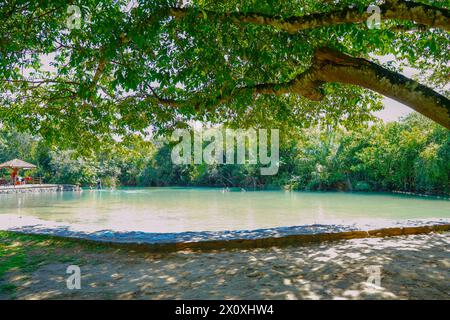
329	66
333	66
40	81
392	9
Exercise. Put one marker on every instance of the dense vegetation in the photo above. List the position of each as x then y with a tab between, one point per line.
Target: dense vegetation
410	155
294	65
159	63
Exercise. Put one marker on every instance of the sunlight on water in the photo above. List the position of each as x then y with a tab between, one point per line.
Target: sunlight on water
198	209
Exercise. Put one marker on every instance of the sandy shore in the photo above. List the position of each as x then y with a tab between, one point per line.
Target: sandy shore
412	267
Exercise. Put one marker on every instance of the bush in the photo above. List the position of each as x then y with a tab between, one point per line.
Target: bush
362	186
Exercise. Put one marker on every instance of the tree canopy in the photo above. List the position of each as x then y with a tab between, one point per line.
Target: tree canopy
411	155
163	63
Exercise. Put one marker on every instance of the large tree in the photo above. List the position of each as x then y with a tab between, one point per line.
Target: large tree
239	62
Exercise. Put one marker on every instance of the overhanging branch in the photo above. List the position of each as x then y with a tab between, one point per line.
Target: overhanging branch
420	13
331	66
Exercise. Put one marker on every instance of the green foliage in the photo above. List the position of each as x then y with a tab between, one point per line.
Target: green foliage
410	155
115	163
23	254
198	59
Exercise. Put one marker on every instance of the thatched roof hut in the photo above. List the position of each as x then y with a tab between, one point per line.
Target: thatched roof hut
17	164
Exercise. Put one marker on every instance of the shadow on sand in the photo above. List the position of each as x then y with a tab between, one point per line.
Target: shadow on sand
412	267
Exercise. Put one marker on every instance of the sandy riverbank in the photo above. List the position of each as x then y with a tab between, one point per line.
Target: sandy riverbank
412	267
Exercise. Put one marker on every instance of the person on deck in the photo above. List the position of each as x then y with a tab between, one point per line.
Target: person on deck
13	176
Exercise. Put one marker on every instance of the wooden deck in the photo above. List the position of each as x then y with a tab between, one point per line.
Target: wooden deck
38	188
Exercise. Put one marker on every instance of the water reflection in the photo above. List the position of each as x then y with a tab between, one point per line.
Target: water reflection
195	209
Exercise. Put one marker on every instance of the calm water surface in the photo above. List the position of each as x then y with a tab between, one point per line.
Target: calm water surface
198	209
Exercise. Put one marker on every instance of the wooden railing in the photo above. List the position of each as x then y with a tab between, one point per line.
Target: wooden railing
36	181
33	180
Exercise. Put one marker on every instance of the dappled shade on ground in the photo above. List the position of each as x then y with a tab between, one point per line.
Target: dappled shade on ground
412	267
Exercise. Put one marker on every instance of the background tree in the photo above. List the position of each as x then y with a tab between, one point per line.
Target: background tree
412	155
246	63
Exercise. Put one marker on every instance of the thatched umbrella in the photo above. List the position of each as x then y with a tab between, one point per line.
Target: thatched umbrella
16	164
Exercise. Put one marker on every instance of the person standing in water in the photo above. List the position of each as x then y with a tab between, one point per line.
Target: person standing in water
99	184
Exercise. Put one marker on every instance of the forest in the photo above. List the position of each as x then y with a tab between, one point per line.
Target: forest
86	92
411	155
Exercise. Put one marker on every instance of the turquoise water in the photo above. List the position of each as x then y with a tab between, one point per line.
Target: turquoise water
206	209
